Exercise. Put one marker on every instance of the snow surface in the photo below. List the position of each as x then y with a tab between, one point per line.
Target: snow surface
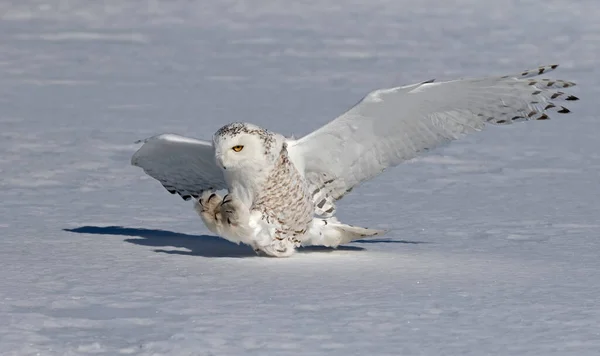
494	244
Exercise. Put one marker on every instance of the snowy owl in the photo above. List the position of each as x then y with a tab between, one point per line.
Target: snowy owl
282	192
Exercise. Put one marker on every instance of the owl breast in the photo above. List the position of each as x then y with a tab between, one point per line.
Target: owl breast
285	203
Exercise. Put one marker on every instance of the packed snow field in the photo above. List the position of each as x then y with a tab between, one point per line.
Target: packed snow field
494	240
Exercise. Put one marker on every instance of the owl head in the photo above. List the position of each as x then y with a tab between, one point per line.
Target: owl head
247	147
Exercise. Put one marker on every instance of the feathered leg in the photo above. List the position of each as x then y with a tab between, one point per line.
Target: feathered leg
278	248
226	217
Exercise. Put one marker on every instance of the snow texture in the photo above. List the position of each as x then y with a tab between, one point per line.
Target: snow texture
494	243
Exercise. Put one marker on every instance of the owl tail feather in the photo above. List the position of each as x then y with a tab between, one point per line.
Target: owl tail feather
332	233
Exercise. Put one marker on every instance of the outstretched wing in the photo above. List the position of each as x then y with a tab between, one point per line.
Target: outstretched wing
389	126
183	165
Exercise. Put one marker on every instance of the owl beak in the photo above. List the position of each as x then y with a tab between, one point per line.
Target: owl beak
220	162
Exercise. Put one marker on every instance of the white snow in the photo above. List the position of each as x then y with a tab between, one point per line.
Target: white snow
495	240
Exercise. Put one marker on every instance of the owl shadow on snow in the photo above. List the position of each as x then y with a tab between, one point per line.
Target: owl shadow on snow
200	245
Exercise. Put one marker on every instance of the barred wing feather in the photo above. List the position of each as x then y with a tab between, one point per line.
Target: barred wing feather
389	126
183	165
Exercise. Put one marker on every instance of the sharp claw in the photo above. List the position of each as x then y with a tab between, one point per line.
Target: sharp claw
211	196
225	201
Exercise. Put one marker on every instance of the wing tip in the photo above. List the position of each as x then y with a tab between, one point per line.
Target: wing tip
134	161
537	71
135	157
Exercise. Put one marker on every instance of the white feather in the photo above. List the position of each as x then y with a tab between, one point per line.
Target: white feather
389	126
183	165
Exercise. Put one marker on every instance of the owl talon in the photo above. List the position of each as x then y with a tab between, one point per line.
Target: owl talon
230	209
207	206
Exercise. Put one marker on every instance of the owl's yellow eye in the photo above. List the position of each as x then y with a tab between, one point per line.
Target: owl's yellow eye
237	148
